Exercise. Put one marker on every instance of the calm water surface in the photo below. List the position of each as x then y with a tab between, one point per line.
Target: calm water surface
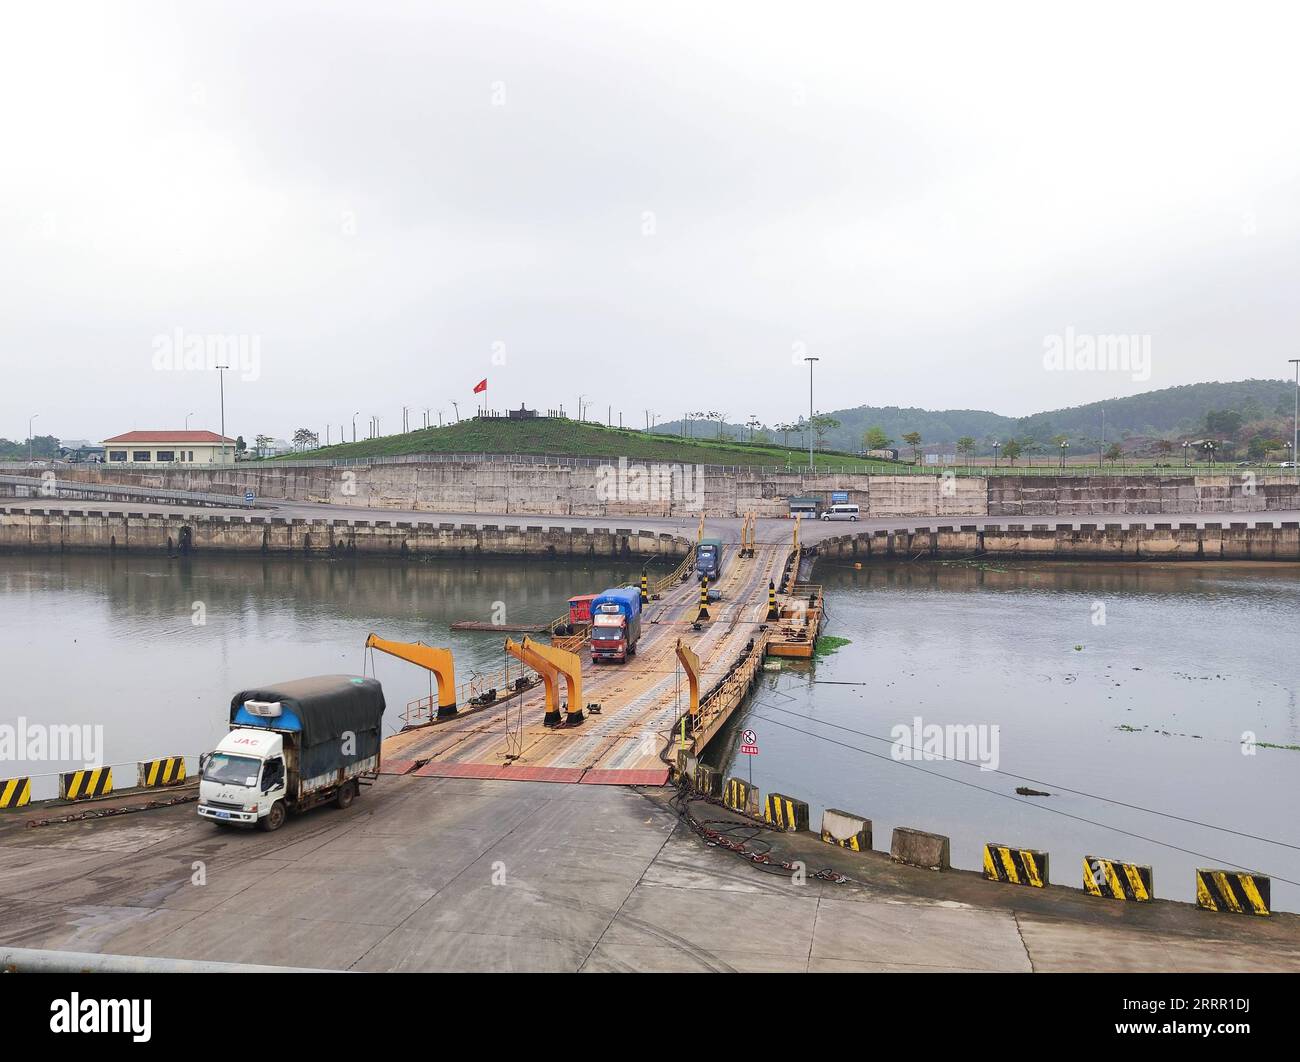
1148	708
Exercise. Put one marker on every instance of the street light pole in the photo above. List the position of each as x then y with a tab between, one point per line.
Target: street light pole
221	384
1295	424
354	425
810	359
29	436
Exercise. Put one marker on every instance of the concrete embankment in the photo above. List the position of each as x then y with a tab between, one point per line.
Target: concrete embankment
1263	540
592	488
75	530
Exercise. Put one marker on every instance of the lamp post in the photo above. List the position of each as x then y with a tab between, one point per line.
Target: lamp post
810	359
1186	455
221	386
1295	423
187	419
29	436
1064	446
996	444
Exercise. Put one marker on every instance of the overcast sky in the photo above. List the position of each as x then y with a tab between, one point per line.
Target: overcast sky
657	205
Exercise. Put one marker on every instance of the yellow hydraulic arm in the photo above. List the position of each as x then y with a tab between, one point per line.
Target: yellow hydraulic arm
570	666
551	663
691	662
438	661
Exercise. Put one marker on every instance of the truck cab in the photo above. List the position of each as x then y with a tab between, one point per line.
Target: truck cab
615	624
291	746
243	777
708	560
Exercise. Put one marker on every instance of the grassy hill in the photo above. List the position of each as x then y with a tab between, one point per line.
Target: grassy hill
1169	412
570	438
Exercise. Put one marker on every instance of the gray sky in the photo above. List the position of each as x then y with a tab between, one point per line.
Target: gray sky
659	205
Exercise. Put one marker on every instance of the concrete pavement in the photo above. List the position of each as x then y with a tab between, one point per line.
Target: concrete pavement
473	875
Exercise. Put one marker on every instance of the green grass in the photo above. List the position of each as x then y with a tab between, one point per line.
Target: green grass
569	438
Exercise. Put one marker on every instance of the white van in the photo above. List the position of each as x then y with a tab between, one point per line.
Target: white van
841	512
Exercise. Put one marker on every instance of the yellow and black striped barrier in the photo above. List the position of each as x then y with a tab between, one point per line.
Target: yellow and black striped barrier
15	792
786	812
1233	890
1116	880
645	588
170	770
708	780
81	785
739	795
1016	866
847	830
704	600
773	613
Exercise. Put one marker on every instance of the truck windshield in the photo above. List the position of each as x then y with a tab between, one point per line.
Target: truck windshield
607	630
232	770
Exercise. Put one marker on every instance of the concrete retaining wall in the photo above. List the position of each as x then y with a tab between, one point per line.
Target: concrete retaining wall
35	530
590	490
1214	541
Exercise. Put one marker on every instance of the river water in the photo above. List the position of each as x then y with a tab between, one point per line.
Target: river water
1136	683
1132	683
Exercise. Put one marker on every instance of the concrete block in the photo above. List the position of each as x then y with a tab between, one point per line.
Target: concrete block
1015	866
916	848
847	830
740	796
785	812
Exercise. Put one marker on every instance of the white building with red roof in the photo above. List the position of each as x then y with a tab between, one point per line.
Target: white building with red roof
169	447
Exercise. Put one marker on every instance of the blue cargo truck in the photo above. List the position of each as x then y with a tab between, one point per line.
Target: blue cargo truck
615	624
708	560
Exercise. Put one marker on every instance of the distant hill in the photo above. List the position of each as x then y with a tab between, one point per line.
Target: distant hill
1169	412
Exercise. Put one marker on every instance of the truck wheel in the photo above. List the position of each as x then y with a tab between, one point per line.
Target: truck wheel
274	818
346	794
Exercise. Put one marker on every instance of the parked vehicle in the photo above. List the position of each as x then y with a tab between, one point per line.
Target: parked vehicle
580	609
841	512
708	559
292	746
615	624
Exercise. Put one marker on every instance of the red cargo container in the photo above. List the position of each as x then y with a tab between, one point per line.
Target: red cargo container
580	609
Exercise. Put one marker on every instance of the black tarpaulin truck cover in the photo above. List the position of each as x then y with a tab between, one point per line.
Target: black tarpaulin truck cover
324	707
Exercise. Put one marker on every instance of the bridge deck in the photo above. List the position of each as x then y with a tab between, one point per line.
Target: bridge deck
629	741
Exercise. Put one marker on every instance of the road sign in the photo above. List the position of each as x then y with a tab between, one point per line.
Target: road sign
749	743
839	497
249	497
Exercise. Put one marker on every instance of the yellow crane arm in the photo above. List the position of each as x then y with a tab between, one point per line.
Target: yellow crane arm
431	658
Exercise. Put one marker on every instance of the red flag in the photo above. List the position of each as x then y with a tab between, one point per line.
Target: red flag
480	386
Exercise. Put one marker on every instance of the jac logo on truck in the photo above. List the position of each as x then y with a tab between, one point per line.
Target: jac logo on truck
246	741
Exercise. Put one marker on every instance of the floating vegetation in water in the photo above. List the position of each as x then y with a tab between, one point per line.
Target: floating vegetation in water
1147	730
982	566
1271	745
827	644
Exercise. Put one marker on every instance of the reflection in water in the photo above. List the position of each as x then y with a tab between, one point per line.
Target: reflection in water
1135	682
114	640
